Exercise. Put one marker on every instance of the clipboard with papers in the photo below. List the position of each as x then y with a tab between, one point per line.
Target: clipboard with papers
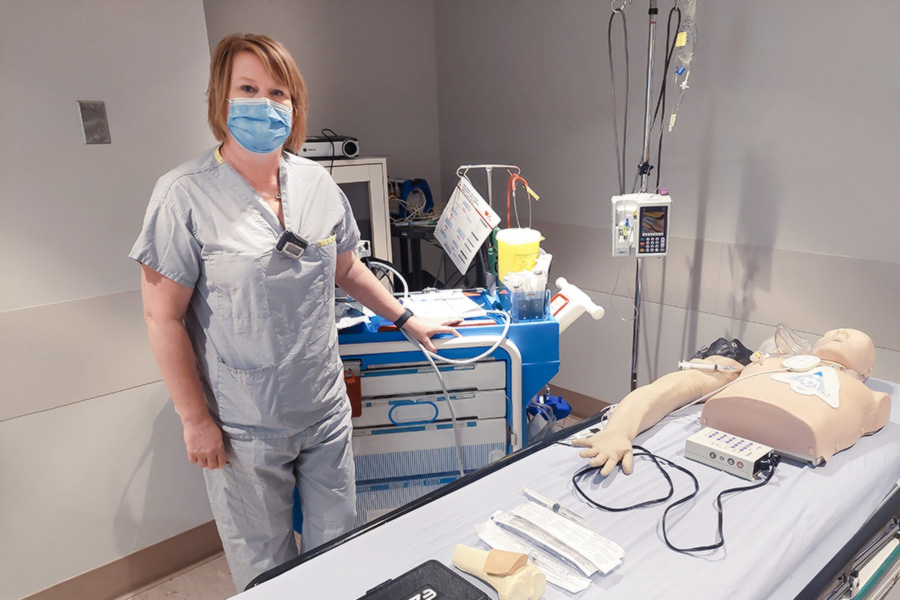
465	224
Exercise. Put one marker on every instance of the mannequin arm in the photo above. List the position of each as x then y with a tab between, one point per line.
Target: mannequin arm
526	583
646	406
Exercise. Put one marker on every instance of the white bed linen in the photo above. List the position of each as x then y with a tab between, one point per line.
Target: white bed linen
776	538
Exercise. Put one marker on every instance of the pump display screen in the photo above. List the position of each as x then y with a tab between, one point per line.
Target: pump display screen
654	230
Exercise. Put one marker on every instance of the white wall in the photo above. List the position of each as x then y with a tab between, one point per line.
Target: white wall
91	456
369	67
776	168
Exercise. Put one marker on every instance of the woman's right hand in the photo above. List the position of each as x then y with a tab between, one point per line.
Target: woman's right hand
608	448
204	443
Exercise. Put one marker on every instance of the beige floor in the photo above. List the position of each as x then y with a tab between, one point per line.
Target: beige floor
209	581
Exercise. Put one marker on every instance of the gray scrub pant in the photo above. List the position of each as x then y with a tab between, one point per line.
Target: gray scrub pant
252	496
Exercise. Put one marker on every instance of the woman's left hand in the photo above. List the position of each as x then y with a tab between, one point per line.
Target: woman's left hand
423	329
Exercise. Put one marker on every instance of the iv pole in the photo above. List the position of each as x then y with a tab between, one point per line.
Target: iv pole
644	169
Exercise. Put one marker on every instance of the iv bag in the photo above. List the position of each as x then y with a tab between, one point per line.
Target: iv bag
686	41
685	44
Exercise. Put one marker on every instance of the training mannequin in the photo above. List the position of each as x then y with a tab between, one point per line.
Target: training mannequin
808	414
509	573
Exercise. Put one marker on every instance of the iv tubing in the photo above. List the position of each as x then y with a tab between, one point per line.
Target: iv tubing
514	178
684	364
730	383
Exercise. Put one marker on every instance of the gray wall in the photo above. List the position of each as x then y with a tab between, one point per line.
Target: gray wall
780	214
369	67
91	453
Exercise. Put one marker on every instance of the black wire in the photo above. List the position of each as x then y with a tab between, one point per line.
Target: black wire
589	469
669	52
333	150
720	533
663	89
660	102
461	277
437	275
620	161
371	261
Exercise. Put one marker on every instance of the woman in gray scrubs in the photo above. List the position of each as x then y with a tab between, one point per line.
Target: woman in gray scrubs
240	251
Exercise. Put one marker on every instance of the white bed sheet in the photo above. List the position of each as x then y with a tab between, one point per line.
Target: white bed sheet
776	538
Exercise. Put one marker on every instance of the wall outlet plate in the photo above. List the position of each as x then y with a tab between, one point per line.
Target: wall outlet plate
94	124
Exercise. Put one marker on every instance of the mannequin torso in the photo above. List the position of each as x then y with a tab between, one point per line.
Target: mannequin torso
808	415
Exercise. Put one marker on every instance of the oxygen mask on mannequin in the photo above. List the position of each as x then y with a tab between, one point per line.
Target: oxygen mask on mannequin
784	342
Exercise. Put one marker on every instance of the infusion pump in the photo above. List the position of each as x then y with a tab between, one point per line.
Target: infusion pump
640	225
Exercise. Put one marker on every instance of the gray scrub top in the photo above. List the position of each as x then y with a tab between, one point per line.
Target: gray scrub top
261	322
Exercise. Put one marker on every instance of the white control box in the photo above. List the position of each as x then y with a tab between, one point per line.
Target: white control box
727	452
640	225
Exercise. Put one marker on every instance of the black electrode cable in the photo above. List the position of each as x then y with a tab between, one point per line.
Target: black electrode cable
769	464
589	469
720	533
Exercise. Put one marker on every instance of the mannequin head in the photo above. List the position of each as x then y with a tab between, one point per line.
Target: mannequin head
849	347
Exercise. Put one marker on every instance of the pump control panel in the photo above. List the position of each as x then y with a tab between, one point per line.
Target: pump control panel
640	225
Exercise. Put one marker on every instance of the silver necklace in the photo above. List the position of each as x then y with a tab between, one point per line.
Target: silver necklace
252	184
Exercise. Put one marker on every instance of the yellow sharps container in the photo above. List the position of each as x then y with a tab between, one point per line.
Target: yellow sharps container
517	250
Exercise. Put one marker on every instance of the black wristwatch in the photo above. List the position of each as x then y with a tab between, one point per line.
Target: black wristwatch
402	319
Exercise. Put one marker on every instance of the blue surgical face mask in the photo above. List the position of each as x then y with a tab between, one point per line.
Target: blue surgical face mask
258	124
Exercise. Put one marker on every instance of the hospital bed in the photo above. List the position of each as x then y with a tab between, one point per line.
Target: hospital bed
796	537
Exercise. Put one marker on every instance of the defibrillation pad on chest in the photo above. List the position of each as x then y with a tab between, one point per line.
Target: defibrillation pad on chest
821	382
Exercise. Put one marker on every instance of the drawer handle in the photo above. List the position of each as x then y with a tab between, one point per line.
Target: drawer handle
416	414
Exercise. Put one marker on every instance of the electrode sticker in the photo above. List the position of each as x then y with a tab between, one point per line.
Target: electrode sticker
822	382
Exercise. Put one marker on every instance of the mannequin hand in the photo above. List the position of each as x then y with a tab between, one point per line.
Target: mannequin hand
608	448
203	440
422	330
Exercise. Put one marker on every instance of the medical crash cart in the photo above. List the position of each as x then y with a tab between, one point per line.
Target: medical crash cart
404	443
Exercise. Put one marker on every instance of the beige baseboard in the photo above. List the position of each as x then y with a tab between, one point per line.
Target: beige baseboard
140	570
582	406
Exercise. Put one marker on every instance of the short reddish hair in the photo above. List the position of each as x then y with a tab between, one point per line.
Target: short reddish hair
280	66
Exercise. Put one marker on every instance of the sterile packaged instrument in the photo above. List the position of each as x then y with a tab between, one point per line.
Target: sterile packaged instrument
558	572
577	545
554	506
640	225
